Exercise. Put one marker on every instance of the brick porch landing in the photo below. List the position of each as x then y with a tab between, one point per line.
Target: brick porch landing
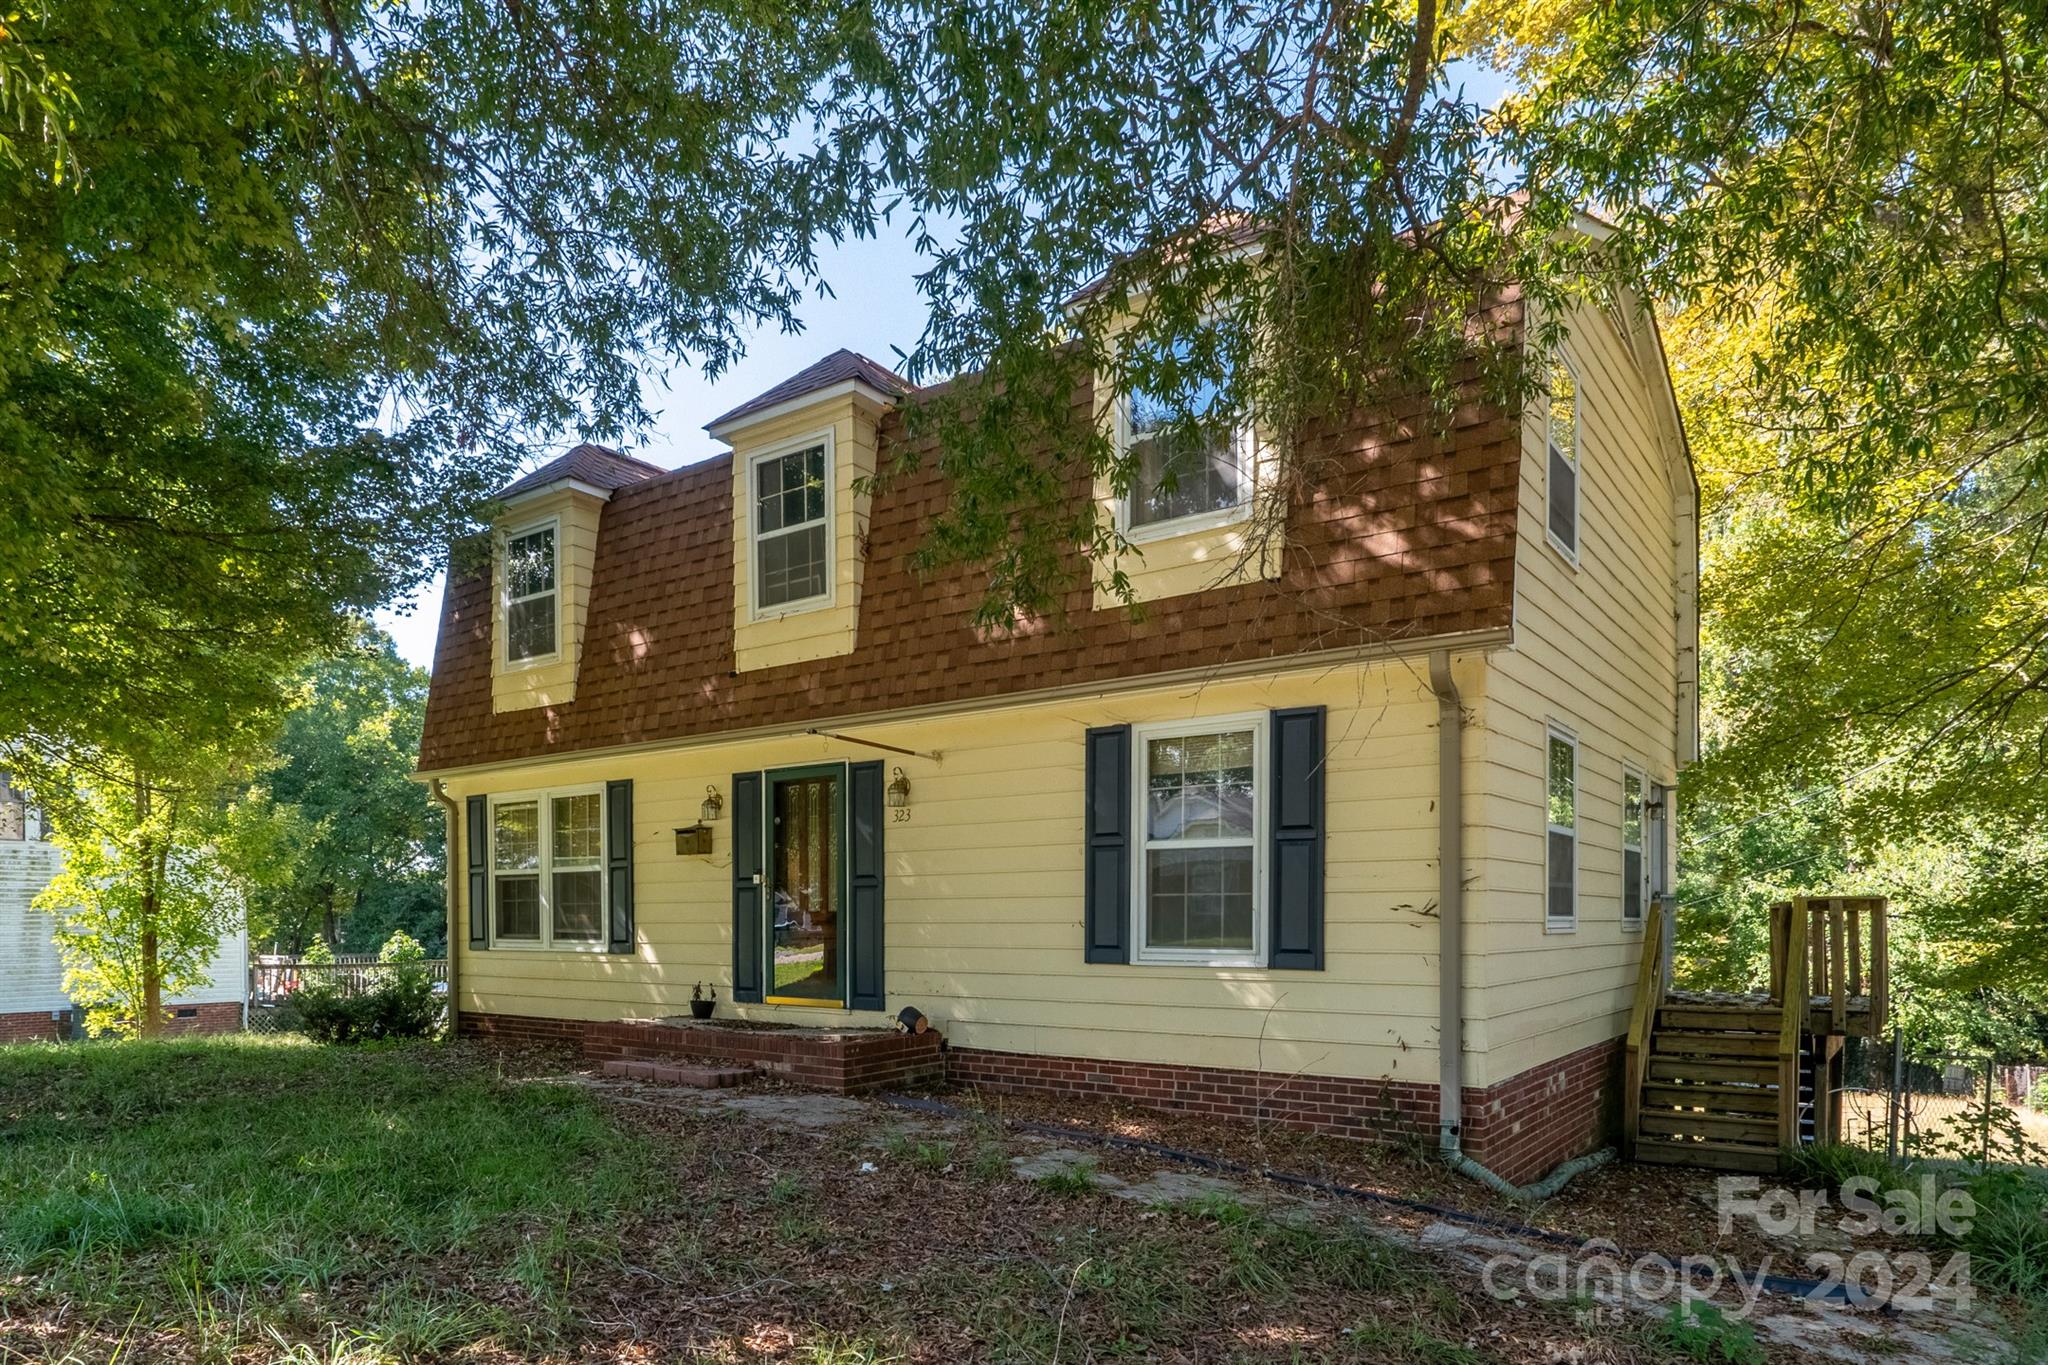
842	1061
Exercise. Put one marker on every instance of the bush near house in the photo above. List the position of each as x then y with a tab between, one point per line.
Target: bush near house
401	1003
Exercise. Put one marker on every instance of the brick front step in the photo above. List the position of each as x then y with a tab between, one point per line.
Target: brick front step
662	1073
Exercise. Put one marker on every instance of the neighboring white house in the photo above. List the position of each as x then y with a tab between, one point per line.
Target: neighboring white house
32	1000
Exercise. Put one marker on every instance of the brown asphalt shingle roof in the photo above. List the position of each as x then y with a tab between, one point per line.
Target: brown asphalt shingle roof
836	368
1410	534
598	466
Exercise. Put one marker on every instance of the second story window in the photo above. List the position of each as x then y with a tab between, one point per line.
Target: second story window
1191	466
792	528
530	579
1563	460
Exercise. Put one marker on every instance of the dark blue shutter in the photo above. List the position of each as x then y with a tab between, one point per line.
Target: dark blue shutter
864	989
1107	831
1296	853
618	815
748	856
478	847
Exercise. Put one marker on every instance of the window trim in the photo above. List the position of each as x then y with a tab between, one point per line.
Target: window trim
1552	730
755	611
544	797
505	599
1242	435
1569	554
1141	842
1630	769
11	795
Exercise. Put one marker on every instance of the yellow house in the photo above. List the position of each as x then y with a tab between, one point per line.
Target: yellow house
1357	835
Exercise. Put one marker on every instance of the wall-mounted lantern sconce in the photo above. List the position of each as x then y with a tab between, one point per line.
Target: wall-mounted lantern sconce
899	790
713	807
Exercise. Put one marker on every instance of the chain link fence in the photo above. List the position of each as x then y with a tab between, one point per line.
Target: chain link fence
1911	1100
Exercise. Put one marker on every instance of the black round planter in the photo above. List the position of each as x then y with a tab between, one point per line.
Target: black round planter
701	1009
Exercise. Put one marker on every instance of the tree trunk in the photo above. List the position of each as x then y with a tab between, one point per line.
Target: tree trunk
151	1024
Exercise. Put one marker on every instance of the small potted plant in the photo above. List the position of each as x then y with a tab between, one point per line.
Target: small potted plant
702	1001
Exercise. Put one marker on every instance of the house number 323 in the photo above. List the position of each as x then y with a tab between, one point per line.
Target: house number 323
900	816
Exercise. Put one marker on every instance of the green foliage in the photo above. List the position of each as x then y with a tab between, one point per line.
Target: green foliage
157	866
77	1225
285	291
1072	1180
272	1170
400	1001
1702	1332
366	839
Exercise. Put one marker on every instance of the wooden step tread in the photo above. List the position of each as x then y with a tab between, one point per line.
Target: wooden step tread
1710	1043
1755	1070
1754	1129
1720	1156
1722	1017
1712	1096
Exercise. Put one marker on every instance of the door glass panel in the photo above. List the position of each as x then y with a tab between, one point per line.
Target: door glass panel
803	860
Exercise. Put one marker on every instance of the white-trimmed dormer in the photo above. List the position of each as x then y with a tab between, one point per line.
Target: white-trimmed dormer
799	453
543	549
1197	516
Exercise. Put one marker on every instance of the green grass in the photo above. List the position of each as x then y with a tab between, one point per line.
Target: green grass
163	1175
1072	1180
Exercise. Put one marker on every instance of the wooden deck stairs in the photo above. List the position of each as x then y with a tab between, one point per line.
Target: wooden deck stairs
1730	1081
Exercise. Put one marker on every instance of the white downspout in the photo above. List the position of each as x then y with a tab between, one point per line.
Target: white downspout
452	814
1450	912
1450	903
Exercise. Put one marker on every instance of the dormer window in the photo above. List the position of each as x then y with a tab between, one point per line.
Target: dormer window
1184	479
792	526
530	594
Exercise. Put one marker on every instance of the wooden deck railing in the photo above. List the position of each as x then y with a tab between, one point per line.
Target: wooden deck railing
1642	1022
1844	972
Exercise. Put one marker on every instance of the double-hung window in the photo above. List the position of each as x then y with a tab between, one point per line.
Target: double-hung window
547	869
1635	871
1563	460
792	527
1191	466
530	578
1561	855
1201	809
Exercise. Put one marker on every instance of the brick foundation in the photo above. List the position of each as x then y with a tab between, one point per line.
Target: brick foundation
223	1016
30	1026
37	1025
1520	1128
848	1062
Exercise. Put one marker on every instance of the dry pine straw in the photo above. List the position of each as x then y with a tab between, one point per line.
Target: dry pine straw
782	1248
1665	1209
